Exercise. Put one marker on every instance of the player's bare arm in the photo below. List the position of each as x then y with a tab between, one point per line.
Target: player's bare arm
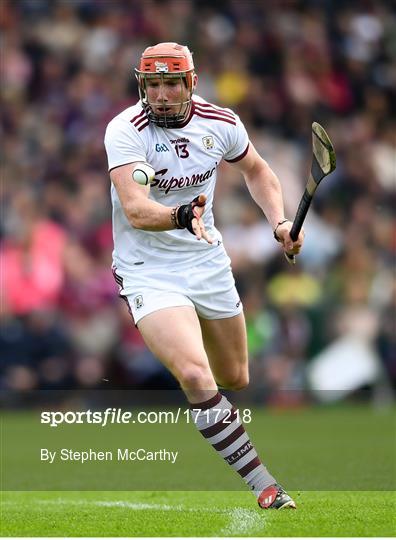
144	213
265	188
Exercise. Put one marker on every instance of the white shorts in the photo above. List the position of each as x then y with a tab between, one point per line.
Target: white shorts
209	287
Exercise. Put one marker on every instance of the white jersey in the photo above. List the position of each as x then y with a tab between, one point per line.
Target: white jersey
185	161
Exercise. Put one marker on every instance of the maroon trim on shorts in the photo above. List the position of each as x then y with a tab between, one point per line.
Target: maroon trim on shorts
120	282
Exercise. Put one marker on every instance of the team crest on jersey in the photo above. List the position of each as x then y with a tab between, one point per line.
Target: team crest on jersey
161	67
208	142
138	301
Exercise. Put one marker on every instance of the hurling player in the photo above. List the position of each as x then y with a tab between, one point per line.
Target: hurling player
169	260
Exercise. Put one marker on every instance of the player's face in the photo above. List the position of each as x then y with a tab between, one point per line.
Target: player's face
167	96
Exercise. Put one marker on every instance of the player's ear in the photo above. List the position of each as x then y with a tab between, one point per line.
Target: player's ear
194	82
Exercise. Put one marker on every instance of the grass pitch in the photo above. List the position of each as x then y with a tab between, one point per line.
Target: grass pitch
348	450
195	514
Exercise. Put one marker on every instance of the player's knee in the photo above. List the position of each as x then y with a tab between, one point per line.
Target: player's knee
237	382
241	382
195	377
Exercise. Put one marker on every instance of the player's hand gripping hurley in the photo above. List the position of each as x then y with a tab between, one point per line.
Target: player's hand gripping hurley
323	163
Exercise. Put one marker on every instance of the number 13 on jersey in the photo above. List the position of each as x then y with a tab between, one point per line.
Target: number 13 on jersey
181	150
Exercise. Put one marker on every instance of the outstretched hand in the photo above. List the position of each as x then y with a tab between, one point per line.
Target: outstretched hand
197	224
189	216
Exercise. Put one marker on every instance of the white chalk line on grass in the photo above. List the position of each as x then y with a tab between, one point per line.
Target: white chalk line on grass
241	520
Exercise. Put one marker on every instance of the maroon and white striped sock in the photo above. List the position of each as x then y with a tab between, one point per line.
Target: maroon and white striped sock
222	427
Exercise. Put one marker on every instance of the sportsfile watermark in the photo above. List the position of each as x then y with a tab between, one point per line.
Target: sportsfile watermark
141	440
113	415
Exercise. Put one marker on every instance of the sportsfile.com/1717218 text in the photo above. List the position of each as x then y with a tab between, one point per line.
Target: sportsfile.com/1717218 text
114	415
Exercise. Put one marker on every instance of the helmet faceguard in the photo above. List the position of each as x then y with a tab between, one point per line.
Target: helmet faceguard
163	62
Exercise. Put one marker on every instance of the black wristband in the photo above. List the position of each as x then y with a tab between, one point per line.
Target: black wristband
184	217
276	228
184	214
174	219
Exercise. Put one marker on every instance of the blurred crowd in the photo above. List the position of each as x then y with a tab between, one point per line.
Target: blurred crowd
67	69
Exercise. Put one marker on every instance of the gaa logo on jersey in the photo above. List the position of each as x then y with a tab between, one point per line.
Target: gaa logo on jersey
138	301
208	142
161	147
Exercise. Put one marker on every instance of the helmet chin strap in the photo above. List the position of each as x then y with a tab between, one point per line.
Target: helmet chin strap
166	119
